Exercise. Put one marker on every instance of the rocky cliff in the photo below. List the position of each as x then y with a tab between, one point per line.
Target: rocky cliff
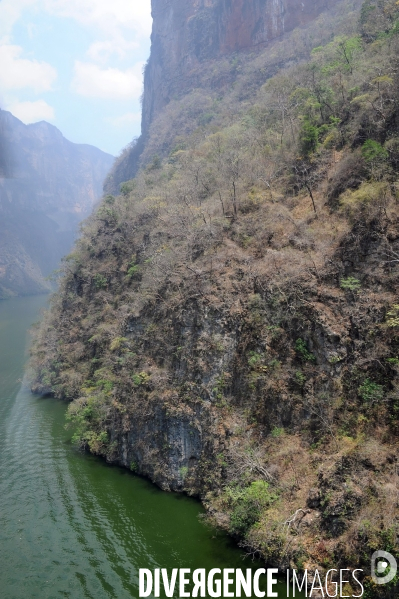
188	35
228	325
47	186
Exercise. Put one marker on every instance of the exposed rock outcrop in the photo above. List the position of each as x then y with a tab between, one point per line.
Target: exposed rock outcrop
229	324
187	34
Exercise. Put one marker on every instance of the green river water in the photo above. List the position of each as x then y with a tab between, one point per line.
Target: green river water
71	525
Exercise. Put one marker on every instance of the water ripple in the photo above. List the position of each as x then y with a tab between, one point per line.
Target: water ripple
71	526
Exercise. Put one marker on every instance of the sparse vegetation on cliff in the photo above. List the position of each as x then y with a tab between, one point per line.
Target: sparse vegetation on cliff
228	324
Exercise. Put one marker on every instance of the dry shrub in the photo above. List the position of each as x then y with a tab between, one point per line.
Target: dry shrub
349	174
365	202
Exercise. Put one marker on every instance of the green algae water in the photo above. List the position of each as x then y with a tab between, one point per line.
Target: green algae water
70	525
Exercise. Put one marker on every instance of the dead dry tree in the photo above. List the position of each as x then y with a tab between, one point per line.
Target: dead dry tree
321	407
393	257
296	519
248	461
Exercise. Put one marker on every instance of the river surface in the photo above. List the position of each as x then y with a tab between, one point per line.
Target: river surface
72	526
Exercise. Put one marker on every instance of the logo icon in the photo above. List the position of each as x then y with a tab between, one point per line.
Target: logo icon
380	560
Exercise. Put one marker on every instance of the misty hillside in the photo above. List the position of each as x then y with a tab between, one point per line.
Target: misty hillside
47	186
227	322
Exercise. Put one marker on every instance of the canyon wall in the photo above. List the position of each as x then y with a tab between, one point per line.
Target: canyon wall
187	36
228	325
47	186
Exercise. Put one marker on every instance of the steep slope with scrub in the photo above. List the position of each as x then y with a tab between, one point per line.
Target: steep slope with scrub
189	41
228	324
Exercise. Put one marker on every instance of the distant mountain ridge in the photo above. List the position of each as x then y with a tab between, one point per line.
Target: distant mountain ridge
47	186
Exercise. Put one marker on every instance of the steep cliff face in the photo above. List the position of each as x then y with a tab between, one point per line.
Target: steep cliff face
187	36
48	185
187	33
228	325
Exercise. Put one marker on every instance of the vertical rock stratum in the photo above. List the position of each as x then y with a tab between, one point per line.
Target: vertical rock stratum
188	34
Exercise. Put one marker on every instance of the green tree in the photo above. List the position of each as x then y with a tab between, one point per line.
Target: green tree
309	138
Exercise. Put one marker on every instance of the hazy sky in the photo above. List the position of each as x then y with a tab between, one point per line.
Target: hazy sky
77	64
